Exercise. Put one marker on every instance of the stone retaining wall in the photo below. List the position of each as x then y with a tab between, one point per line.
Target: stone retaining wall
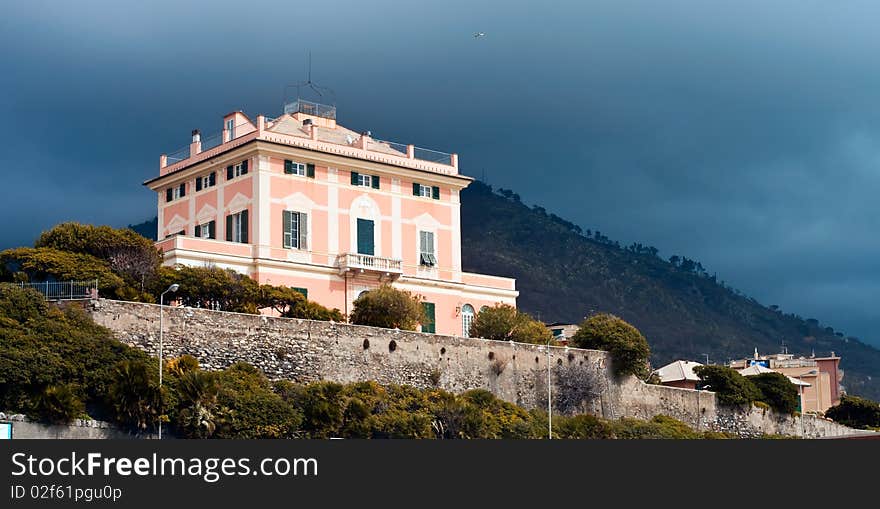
306	351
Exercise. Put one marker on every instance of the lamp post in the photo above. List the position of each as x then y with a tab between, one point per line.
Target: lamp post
549	398
173	288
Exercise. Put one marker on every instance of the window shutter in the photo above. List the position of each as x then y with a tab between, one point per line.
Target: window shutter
198	232
288	166
354	178
310	170
168	194
229	173
303	291
303	230
229	228
285	221
244	165
183	190
212	180
198	184
435	192
429	242
429	326
417	189
365	242
244	226
375	180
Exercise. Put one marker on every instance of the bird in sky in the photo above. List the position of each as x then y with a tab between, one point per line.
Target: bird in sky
479	34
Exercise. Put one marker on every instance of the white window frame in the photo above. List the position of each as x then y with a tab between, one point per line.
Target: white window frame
230	127
425	191
205	230
206	181
467	318
432	252
298	168
292	237
236	227
175	192
237	170
365	180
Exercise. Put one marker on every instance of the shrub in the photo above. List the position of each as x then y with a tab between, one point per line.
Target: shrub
504	322
661	426
59	404
388	307
855	412
729	386
249	408
628	347
582	426
777	391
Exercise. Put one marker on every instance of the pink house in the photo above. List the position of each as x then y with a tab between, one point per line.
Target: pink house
301	201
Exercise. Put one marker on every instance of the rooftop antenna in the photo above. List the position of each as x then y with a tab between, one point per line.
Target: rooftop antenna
323	95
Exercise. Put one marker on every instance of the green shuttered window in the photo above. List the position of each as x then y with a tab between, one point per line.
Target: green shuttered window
237	227
365	239
296	226
430	325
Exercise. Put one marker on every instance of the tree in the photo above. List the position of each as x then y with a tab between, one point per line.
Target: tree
128	254
628	347
388	307
855	412
291	303
503	322
729	386
777	391
210	287
134	394
48	264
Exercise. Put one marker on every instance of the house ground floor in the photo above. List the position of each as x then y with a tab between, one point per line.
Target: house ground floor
451	299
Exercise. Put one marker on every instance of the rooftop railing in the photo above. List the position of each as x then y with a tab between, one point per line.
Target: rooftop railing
311	108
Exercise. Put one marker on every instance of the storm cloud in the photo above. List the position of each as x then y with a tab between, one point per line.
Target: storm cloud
745	135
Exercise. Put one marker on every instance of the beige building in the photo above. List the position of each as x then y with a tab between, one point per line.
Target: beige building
562	332
822	373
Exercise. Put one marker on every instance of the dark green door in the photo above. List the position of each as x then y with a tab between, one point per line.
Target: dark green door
365	237
430	324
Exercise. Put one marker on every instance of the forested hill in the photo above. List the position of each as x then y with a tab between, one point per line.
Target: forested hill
564	273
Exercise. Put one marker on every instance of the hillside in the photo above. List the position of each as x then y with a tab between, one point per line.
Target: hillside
564	274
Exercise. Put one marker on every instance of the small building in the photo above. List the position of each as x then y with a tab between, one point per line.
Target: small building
823	374
679	374
563	332
758	369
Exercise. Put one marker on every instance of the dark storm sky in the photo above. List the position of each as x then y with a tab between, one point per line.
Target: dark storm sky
744	134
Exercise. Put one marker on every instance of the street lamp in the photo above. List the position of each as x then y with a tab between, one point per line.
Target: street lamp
549	398
173	288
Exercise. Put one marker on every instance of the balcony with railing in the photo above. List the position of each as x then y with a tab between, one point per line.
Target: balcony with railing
357	263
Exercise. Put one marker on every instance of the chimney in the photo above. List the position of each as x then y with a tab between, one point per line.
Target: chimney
196	146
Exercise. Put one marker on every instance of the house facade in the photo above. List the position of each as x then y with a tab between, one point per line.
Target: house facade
301	201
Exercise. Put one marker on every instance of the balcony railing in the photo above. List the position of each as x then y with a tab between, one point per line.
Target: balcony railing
366	263
311	108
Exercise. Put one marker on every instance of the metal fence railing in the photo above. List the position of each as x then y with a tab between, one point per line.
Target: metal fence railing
65	290
433	156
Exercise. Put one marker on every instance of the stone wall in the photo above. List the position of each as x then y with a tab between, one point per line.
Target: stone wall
24	428
306	351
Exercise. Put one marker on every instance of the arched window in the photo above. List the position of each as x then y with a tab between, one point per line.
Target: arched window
467	318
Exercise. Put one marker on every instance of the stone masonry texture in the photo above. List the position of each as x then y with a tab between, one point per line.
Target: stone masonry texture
308	350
